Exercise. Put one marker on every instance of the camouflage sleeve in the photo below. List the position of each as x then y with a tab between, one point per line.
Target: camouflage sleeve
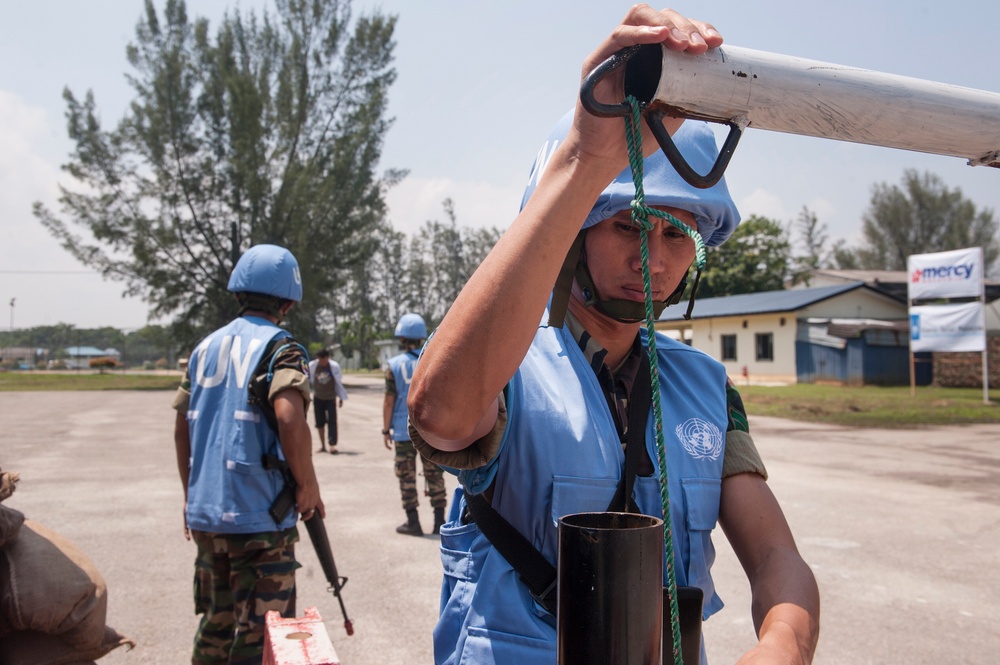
479	454
182	398
741	454
291	370
390	383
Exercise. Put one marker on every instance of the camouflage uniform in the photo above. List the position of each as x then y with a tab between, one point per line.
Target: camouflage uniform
239	577
406	469
237	580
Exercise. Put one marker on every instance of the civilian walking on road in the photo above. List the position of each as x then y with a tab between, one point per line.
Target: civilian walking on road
328	393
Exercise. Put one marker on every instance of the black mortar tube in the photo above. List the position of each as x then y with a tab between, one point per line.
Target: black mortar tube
610	579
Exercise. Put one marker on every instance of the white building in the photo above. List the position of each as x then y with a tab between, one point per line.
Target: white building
79	357
849	333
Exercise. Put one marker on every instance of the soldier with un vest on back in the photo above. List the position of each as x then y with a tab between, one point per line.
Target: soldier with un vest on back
240	427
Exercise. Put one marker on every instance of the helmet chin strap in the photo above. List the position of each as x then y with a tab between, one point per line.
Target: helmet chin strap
625	311
619	309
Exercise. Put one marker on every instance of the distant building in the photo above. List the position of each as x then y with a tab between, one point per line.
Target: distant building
25	356
947	369
387	348
894	283
79	357
850	333
890	282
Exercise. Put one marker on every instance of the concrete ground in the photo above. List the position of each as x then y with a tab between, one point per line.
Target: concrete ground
901	527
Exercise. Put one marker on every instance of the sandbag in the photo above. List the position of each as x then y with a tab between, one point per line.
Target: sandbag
10	525
33	648
48	585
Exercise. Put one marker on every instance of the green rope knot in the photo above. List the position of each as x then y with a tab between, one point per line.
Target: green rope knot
640	216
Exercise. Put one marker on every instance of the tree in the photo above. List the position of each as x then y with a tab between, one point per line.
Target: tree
754	259
150	343
842	257
268	132
442	258
422	273
921	216
814	239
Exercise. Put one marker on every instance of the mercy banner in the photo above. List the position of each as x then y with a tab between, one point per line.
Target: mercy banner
954	274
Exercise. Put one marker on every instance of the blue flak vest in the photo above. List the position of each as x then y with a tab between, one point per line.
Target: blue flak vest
229	491
561	454
402	367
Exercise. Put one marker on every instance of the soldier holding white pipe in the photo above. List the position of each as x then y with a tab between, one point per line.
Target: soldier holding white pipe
518	407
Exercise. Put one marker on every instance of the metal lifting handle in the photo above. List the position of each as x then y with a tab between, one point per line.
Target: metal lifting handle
643	66
793	95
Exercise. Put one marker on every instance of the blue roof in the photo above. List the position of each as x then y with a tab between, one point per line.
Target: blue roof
765	302
86	351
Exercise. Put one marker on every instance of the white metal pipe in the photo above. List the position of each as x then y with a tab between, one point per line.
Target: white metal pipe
797	96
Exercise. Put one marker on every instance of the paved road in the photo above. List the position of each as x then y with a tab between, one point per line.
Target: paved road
902	529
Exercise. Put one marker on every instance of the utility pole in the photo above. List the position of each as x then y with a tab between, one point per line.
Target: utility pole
10	339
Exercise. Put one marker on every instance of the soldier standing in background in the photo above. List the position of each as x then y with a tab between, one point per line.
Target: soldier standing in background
411	331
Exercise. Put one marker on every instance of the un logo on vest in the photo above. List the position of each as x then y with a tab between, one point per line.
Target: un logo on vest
700	438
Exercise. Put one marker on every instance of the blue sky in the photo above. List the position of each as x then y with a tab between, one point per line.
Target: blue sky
479	86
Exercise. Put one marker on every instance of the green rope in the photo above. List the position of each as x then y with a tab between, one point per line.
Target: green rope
640	217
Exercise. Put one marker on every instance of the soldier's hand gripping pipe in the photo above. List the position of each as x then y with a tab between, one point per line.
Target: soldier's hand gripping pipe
284	502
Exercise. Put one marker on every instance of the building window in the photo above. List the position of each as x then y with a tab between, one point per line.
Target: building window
765	346
729	347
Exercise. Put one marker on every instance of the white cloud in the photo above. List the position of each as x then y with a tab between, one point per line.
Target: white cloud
49	285
477	204
823	208
765	203
24	175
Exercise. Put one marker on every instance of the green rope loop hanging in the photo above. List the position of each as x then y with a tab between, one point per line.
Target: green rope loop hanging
640	217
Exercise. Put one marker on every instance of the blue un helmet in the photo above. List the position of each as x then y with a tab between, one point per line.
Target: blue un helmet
713	209
411	326
270	270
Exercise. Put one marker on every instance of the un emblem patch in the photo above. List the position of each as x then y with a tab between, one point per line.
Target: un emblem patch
700	438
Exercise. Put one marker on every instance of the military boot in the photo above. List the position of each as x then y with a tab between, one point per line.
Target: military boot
438	520
411	527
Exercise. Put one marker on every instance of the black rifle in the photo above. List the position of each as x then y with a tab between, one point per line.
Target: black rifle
283	503
317	534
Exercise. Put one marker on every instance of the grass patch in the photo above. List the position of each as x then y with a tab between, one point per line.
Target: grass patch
871	406
867	406
87	380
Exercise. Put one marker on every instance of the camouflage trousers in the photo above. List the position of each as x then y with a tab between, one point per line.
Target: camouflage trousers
406	471
237	579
